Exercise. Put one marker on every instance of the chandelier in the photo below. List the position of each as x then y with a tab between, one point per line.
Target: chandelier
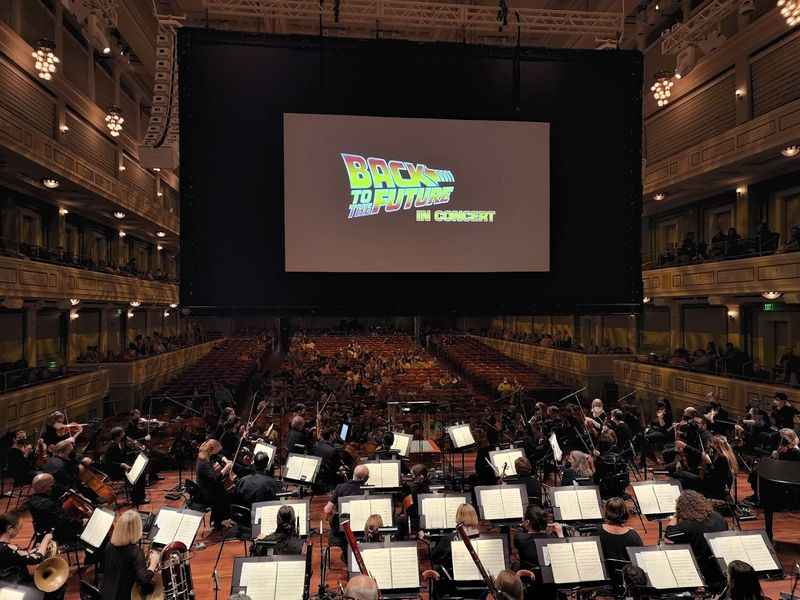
662	87
790	10
45	58
114	121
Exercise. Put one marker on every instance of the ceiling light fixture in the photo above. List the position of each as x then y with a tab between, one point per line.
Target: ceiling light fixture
662	87
114	120
135	303
166	313
74	301
122	234
46	60
161	234
63	211
156	170
50	183
790	10
659	196
119	214
173	305
791	151
771	295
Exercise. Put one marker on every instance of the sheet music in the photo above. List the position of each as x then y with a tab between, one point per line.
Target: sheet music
512	502
567	502
266	449
647	499
587	501
187	529
451	504
401	443
683	568
361	510
658	570
11	594
489	551
435	512
167	522
259	579
136	468
462	436
379	565
267	516
389	474
301	468
97	528
506	458
666	494
291	580
557	453
587	559
405	567
748	548
492	504
562	562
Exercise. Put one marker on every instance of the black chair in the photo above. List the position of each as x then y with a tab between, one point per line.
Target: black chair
193	501
242	516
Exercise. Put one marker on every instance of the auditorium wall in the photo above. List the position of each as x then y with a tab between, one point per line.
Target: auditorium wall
702	324
50	342
137	325
11	336
86	330
773	333
655	330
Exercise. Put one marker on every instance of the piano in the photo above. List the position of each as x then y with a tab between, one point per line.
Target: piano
778	488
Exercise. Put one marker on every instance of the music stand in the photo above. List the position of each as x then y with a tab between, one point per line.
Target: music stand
402	583
402	443
377	466
95	533
589	512
174	533
381	504
678	577
449	500
465	582
653	504
301	507
461	440
579	556
289	590
302	469
752	547
503	461
16	591
267	449
498	503
137	469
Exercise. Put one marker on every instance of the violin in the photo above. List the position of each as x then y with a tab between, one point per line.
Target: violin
66	430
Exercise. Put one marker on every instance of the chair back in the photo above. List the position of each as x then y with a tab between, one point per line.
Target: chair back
241	515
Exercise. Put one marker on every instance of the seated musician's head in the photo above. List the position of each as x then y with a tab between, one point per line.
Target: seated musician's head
635	580
372	528
64	448
617	416
361	473
361	587
743	582
419	472
523	467
616	511
128	529
135	415
261	461
780	400
286	521
9	525
42	483
535	518
466	514
298	423
117	433
597	406
388	439
56	417
788	438
509	585
692	506
579	461
689	413
209	448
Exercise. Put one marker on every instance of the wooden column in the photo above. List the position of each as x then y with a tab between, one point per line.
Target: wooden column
29	333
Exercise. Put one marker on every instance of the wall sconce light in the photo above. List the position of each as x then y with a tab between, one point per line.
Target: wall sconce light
772	295
135	303
74	301
73	314
63	212
647	300
733	313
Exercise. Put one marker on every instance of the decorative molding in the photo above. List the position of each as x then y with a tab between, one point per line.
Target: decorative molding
24	278
744	276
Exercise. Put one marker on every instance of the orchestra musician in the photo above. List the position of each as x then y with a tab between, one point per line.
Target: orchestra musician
618	423
597	415
384	451
659	431
48	513
229	440
525	476
717	416
720	466
535	527
743	582
259	486
297	441
509	586
14	562
441	553
783	413
212	470
20	460
56	430
348	488
227	413
361	587
117	460
327	451
285	538
64	466
579	466
123	561
788	445
615	537
372	529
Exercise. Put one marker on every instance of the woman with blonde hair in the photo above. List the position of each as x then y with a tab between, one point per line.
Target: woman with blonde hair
441	553
123	560
719	468
372	529
212	469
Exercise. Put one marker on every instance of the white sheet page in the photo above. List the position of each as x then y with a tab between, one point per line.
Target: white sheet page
97	528
491	554
464	568
567	502
647	499
666	496
758	555
562	561
136	468
291	579
492	504
683	568
382	507
587	558
434	511
587	500
259	580
187	529
656	565
167	522
512	502
405	567
451	505
379	565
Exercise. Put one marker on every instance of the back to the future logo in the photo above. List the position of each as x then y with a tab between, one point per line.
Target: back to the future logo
376	184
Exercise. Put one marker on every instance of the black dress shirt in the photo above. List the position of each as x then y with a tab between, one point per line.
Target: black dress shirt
48	515
124	566
258	487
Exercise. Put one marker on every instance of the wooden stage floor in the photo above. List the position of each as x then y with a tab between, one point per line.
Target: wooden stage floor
786	533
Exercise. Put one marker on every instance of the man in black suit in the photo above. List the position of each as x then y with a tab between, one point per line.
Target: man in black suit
297	440
48	513
258	486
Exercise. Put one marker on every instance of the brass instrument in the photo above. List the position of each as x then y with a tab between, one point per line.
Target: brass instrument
52	572
175	580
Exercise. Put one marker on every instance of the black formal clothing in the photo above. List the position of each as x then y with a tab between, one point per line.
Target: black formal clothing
297	441
133	431
691	532
48	515
212	492
113	458
784	417
624	434
230	442
51	436
717	479
348	488
614	547
790	454
123	567
532	486
280	544
526	548
14	568
257	487
484	472
65	472
19	466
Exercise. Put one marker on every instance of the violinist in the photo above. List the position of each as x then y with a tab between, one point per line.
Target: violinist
57	430
535	527
597	415
227	413
230	437
327	451
717	416
20	460
212	469
48	513
259	486
788	446
660	429
719	468
14	561
622	429
117	460
65	466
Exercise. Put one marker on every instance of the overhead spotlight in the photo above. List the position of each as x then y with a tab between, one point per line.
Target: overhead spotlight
122	234
686	60
741	190
50	183
74	301
161	234
647	300
63	212
45	58
790	10
119	214
659	196
791	151
173	305
662	87
114	120
771	295
135	303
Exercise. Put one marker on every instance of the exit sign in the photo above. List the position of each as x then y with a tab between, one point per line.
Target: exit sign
771	307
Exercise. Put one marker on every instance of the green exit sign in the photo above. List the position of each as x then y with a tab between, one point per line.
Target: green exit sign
771	307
